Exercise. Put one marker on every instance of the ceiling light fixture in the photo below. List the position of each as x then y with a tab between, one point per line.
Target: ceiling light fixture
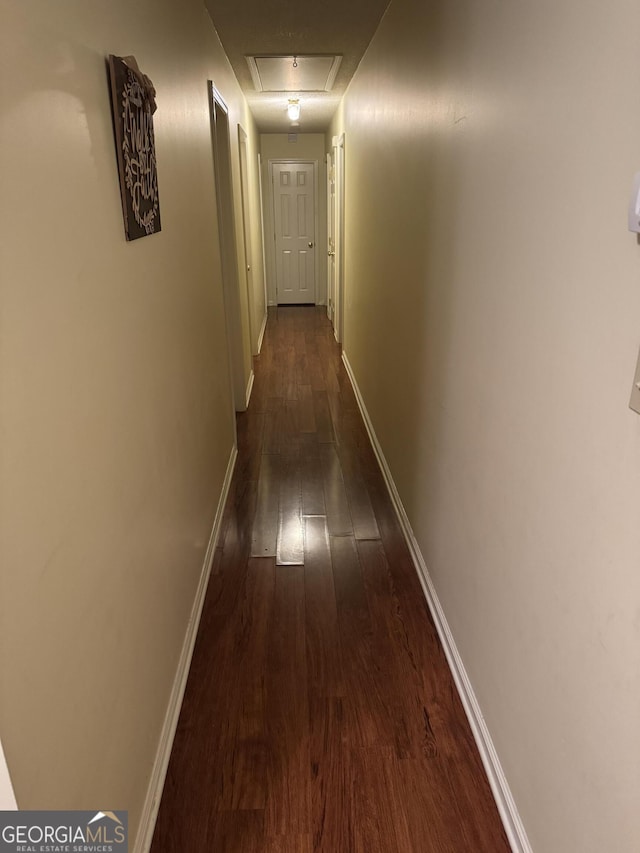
293	109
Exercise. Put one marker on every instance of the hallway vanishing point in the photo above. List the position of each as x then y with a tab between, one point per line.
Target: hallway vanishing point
320	713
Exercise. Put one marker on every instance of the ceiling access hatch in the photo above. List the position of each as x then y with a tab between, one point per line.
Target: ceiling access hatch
293	73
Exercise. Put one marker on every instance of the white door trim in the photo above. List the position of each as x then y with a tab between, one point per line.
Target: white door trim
245	202
223	171
272	228
264	258
330	265
338	162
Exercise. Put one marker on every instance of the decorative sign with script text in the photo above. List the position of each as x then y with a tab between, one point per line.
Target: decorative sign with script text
133	104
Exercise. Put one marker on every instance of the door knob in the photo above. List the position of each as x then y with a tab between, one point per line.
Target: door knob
331	254
310	245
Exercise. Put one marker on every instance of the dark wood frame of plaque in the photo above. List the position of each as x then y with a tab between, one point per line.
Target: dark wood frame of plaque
135	151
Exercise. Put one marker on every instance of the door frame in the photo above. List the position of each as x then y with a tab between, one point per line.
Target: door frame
338	308
263	233
221	145
331	267
245	203
271	224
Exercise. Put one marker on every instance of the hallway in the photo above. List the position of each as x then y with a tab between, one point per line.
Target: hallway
320	713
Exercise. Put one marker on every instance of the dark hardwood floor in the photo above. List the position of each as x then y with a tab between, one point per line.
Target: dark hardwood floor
320	713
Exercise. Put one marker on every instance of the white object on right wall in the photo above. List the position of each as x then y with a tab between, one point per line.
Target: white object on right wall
634	205
7	797
634	402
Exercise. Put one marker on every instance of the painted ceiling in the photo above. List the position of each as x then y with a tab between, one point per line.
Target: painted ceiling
290	28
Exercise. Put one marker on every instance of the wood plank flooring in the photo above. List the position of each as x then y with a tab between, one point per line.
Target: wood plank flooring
320	715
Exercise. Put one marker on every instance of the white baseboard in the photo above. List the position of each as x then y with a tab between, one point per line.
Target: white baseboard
252	377
161	764
262	331
507	808
7	796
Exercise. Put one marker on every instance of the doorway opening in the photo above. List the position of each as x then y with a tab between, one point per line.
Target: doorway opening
238	359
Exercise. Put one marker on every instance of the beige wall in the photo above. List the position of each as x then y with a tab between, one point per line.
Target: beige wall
308	146
115	410
493	324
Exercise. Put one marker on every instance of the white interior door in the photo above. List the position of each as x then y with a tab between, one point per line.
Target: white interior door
295	228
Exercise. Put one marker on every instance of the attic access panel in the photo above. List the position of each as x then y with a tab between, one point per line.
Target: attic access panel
279	74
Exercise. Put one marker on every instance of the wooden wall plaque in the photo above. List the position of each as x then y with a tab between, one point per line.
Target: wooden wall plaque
133	104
